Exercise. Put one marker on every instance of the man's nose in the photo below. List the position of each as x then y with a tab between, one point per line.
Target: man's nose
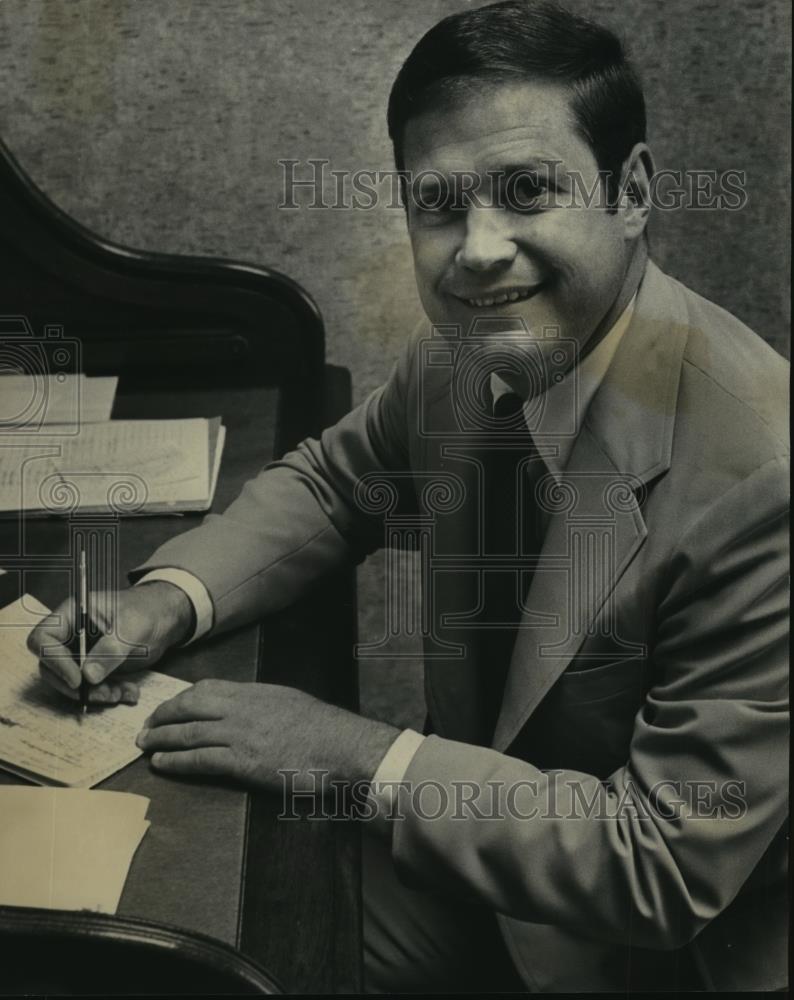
486	243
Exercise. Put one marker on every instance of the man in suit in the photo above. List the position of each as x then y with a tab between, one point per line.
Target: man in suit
601	456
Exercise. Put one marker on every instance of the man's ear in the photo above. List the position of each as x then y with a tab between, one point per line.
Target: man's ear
634	203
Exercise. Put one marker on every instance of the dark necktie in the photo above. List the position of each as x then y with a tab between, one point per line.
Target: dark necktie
509	529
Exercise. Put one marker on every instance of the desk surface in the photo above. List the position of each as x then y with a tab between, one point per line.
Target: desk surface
216	859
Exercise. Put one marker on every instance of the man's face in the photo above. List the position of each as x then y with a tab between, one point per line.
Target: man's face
512	249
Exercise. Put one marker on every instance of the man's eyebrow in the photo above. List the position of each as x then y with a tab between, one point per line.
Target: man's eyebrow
434	185
431	184
549	169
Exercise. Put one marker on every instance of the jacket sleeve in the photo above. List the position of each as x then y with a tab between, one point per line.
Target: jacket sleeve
300	517
655	852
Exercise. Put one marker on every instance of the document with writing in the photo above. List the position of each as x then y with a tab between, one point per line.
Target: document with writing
42	736
67	848
122	466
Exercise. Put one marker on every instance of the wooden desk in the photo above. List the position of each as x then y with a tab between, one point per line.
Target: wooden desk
216	858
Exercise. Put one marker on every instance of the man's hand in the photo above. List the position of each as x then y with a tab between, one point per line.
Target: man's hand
151	617
250	732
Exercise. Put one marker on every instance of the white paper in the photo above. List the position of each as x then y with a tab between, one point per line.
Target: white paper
67	849
120	465
42	736
28	401
216	460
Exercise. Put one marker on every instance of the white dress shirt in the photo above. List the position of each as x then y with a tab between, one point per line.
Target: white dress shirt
564	407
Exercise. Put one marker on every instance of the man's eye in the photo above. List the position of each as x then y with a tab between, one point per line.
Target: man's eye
435	201
437	205
524	194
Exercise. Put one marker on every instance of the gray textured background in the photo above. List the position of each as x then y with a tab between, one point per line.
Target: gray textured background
159	123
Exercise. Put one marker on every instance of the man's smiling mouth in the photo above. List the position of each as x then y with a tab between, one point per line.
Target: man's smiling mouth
501	297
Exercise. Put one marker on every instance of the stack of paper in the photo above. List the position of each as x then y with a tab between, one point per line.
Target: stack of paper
29	401
67	849
119	467
42	736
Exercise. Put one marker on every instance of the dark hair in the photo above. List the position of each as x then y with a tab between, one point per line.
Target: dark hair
528	39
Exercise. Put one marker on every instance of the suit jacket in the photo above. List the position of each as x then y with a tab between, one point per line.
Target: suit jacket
638	771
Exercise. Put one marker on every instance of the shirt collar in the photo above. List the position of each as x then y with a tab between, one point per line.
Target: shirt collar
555	418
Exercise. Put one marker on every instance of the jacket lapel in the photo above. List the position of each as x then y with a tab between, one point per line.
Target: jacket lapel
595	526
590	540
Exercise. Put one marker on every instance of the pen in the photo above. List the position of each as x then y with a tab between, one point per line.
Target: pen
81	634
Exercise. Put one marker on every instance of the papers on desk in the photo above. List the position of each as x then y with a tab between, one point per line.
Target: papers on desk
42	737
66	848
28	401
120	466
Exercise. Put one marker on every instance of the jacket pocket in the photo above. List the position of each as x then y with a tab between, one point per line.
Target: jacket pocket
577	687
585	722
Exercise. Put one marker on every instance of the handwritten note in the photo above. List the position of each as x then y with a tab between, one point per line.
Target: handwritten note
67	848
42	737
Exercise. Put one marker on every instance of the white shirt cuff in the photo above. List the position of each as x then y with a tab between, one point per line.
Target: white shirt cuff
383	789
197	594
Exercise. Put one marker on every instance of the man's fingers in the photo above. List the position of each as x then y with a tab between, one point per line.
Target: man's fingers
55	628
204	760
47	641
107	655
59	664
114	693
130	692
104	694
204	701
121	692
181	736
55	681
